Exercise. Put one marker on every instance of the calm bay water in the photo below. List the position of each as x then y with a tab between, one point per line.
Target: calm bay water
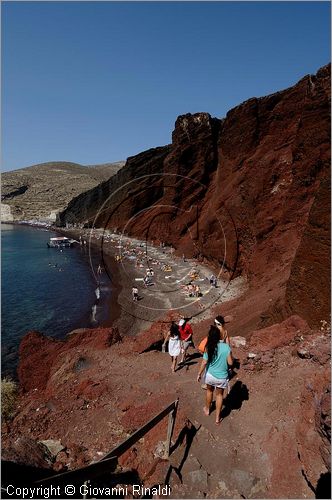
42	289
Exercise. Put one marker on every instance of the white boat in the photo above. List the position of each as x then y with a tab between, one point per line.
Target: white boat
61	242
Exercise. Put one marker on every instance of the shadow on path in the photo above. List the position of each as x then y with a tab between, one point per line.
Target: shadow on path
233	401
185	365
186	435
323	488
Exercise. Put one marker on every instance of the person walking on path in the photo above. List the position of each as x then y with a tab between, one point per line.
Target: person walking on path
219	321
220	324
174	344
186	334
216	358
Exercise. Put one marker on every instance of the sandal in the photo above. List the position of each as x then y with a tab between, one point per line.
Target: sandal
206	411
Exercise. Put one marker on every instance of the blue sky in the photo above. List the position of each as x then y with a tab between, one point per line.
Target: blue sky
92	82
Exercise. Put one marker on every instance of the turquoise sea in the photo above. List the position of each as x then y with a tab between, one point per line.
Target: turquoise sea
44	289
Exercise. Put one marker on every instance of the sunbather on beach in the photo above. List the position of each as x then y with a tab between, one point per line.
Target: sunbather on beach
147	281
134	293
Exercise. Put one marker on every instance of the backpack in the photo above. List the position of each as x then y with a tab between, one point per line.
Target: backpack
202	345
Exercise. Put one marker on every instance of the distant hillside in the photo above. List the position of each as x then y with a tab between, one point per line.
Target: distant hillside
39	192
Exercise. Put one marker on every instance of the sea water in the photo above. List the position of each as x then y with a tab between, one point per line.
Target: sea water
43	289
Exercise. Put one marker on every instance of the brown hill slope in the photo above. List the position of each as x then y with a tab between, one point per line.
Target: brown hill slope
236	192
40	191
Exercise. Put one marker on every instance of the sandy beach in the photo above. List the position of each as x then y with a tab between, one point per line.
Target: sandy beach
125	262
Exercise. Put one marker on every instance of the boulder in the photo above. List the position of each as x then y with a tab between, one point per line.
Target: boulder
316	347
53	446
238	341
27	451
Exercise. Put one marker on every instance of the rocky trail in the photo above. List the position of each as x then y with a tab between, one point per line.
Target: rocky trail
235	459
270	444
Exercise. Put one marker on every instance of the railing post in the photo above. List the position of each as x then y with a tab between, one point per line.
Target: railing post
171	420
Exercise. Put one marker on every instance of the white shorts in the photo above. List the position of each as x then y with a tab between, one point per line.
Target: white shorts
219	383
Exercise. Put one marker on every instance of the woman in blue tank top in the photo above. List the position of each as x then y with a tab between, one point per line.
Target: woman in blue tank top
216	358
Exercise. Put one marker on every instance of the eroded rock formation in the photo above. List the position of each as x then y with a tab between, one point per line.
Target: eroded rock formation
247	193
250	190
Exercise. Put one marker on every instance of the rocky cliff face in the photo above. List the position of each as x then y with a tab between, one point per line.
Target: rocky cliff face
41	191
243	193
250	191
120	197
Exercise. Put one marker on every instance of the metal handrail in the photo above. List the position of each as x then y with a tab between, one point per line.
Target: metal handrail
128	443
103	465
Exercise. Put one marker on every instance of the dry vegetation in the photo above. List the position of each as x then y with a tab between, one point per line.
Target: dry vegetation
8	398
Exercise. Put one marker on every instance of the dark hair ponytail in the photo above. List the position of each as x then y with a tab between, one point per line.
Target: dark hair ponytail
174	330
212	343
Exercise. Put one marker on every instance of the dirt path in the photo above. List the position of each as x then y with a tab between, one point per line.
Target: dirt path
234	459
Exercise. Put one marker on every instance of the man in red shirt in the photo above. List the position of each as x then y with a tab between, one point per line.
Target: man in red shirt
186	338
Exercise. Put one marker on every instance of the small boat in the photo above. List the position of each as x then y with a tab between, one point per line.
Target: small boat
61	242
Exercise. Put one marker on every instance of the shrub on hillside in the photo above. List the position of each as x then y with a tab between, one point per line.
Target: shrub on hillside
8	398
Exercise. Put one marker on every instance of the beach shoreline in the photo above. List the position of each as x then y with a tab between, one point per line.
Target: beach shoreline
110	305
120	281
159	300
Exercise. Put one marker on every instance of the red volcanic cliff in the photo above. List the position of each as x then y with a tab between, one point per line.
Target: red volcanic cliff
248	193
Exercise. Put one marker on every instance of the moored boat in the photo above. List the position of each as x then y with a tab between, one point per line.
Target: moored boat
61	242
